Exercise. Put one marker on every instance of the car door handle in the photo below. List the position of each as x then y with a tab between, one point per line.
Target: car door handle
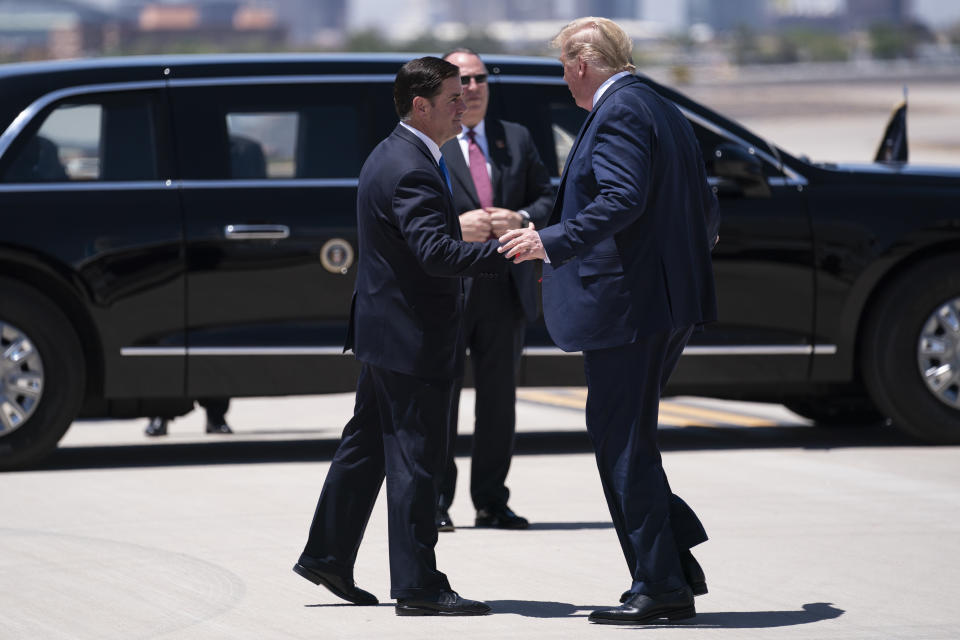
256	231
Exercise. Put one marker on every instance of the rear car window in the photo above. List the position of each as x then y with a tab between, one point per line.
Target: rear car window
97	138
295	131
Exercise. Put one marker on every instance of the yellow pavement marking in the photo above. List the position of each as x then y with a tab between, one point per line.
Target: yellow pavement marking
716	415
671	413
552	398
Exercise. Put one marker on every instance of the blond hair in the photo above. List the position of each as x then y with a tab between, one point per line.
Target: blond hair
600	41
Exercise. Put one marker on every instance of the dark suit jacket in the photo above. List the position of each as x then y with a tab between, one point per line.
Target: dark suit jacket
408	301
632	227
519	180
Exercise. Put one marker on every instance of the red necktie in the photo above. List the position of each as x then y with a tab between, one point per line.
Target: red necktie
478	171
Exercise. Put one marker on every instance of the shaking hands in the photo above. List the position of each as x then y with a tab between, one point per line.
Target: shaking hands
522	245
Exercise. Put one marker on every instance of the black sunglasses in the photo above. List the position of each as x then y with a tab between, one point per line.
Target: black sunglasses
480	78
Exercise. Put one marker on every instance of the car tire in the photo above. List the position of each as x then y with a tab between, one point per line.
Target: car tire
836	412
891	351
29	318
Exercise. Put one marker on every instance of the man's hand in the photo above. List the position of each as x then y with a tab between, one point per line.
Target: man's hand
503	220
522	245
475	225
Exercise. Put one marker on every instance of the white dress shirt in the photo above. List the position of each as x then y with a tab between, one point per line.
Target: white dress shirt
431	145
606	85
480	135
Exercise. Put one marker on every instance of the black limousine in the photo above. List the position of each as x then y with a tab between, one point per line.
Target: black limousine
184	226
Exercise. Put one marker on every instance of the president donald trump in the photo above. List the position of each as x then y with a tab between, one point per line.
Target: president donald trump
628	277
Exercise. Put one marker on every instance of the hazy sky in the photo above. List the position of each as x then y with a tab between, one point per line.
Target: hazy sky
670	12
937	12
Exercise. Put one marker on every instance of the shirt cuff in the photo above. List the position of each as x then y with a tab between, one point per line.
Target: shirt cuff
526	216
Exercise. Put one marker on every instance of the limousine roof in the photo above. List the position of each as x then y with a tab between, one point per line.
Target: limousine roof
22	83
241	64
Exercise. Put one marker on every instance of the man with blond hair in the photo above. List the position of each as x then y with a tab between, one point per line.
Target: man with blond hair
626	280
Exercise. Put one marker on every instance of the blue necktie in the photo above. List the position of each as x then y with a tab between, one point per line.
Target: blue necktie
446	174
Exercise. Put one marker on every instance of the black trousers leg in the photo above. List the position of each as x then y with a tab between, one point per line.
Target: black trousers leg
352	485
414	416
622	409
494	329
216	409
447	481
688	531
496	343
399	430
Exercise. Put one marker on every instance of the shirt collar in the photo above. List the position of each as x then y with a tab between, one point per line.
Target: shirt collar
480	130
431	145
606	85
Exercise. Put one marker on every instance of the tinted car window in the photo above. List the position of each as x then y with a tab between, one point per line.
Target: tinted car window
288	132
565	120
710	140
104	137
547	110
262	144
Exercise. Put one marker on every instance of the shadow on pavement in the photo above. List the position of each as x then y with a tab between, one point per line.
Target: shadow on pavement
553	526
246	451
568	526
813	612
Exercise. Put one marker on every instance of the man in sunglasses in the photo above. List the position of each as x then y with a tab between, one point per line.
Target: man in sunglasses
499	183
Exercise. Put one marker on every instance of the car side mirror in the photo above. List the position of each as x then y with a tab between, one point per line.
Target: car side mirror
742	167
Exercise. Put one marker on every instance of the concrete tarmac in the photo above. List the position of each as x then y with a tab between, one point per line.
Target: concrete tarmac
815	533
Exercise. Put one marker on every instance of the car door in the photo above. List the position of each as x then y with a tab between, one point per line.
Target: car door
763	265
269	196
88	183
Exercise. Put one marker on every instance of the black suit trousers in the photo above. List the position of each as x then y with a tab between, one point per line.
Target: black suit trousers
398	429
216	409
653	525
494	328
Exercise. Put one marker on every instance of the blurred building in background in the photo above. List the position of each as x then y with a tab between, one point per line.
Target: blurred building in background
739	31
728	15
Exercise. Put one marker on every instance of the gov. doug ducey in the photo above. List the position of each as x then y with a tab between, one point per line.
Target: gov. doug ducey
405	329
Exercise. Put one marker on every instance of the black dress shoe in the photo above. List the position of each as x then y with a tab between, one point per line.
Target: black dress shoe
500	517
222	427
447	603
157	427
443	521
644	609
340	586
692	571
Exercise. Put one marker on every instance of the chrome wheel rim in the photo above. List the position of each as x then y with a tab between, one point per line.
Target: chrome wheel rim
938	353
21	378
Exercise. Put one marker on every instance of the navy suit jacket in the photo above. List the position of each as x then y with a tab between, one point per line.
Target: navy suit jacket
519	180
408	300
632	228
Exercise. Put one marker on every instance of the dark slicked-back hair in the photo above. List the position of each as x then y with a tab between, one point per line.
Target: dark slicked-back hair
420	77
